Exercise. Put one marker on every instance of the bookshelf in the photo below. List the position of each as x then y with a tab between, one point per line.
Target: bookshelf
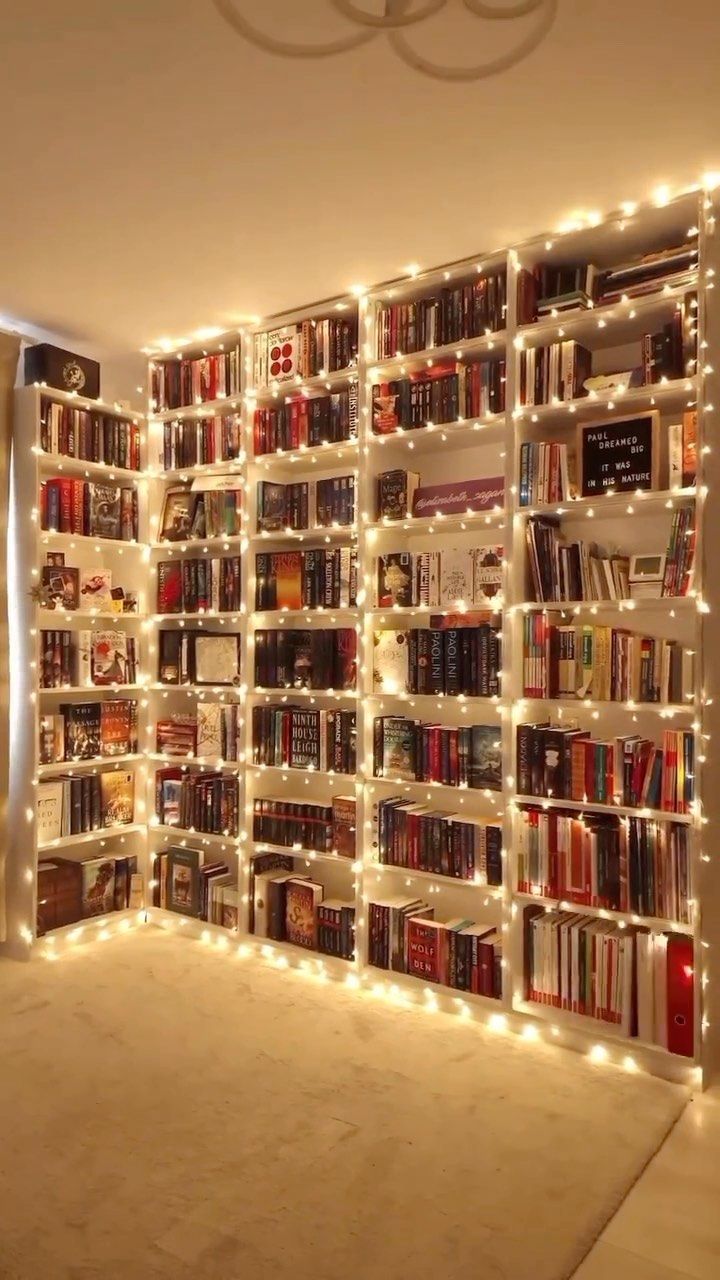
485	444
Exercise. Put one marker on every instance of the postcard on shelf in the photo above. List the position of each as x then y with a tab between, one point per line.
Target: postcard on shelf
96	590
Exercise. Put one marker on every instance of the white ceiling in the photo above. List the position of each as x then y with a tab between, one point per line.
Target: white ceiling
160	174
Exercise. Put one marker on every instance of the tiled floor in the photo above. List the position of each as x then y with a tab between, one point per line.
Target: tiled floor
668	1228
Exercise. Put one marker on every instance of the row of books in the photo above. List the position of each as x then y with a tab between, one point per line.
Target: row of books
673	266
68	806
608	664
425	839
90	435
554	372
89	731
289	823
549	288
456	660
208	802
544	473
409	750
304	349
288	907
307	420
322	578
175	383
211	733
196	585
308	504
91	510
404	937
186	884
194	442
465	311
671	352
599	860
567	764
69	588
192	657
81	889
444	393
87	658
641	983
202	512
294	659
298	738
467	575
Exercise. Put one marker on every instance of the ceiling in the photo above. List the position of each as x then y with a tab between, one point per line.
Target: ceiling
161	174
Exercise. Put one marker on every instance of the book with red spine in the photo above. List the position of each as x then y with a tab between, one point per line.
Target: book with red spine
680	995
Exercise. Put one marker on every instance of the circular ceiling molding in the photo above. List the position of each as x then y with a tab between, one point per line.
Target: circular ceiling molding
231	13
395	15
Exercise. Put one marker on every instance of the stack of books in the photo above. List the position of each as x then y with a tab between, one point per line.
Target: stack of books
68	806
567	764
404	937
309	504
599	860
89	730
301	738
89	434
289	907
550	289
175	383
82	889
641	983
451	661
323	578
207	802
308	421
608	664
295	823
442	393
198	585
424	839
91	510
324	659
672	267
408	750
194	442
186	884
211	733
555	372
466	311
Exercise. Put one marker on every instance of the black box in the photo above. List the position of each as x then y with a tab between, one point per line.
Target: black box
62	369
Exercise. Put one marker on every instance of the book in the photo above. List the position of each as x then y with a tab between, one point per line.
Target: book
209	730
183	881
49	812
217	659
456	577
117	790
177	514
390	661
98	886
61	586
344	820
395	490
395	574
302	900
109	657
96	589
487	574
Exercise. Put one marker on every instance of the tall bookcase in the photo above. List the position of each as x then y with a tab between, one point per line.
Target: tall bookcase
485	446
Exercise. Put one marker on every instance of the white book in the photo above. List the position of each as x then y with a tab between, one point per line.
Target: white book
675	455
645	996
49	811
390	661
216	660
85	657
487	574
456	577
209	730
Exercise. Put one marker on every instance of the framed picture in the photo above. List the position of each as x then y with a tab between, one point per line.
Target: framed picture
62	585
620	454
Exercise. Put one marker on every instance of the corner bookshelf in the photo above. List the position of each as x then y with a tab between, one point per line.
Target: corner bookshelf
38	693
483	438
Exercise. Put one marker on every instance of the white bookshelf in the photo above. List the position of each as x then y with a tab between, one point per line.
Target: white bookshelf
488	445
127	561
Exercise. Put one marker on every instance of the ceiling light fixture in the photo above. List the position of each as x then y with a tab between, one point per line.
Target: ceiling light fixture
400	14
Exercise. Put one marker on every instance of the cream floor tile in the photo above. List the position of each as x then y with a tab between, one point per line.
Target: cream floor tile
607	1262
671	1215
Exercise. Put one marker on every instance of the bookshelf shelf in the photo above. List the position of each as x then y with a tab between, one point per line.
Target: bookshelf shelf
93	837
656	923
487	446
96	765
670	394
463	350
77	401
623	810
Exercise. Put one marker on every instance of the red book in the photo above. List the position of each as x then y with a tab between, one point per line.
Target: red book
425	949
66	505
680	996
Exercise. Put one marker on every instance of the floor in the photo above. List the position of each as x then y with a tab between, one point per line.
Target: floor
668	1228
176	1113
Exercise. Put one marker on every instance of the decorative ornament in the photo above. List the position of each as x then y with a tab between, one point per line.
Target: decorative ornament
400	15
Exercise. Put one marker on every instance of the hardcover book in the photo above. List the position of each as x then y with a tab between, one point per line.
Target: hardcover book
390	661
301	902
282	353
61	586
109	657
49	812
344	825
209	730
170	586
183	881
177	515
117	791
98	886
217	660
456	577
487	574
486	758
395	579
287	568
398	759
83	730
105	501
395	490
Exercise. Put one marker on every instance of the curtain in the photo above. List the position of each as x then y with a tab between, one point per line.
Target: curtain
9	352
